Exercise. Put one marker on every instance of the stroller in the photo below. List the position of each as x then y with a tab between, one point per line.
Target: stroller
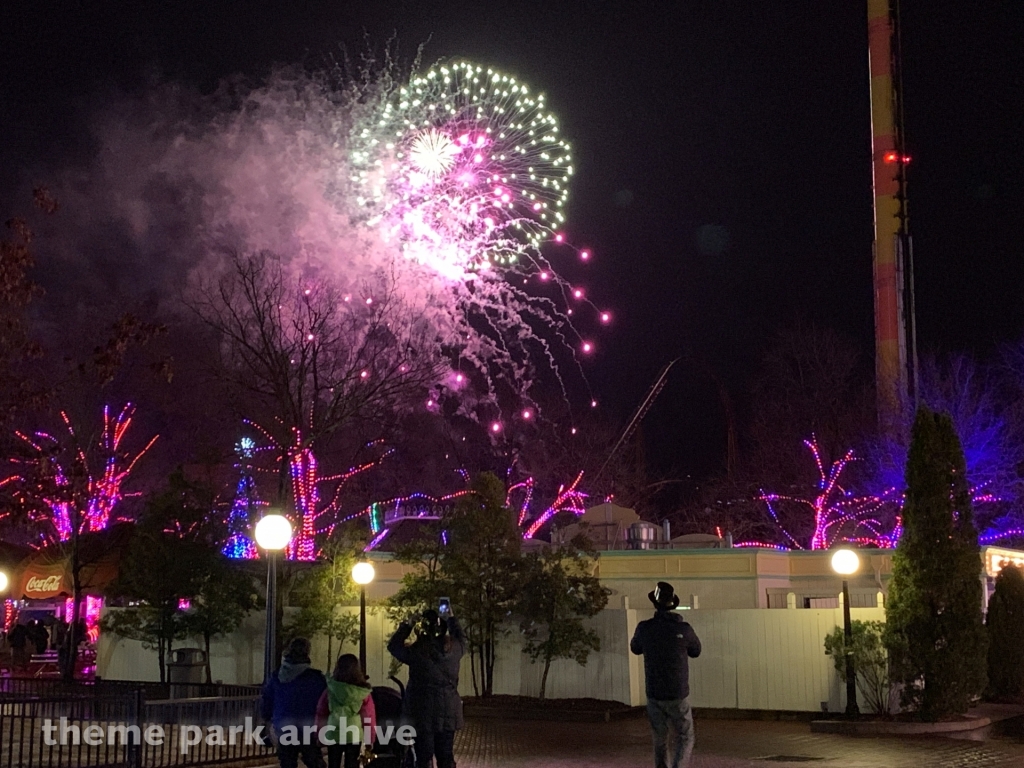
387	702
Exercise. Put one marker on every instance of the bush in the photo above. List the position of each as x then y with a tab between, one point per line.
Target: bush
1005	625
869	659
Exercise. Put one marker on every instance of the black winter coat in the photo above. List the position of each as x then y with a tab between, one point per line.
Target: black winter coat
666	643
432	699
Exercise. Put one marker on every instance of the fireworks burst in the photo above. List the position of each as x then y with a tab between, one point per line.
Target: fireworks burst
458	180
463	169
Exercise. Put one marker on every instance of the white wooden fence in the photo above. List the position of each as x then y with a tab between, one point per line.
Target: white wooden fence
752	659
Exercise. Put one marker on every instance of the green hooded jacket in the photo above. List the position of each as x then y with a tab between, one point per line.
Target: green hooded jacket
344	702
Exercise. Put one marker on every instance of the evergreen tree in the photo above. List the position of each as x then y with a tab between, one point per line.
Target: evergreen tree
934	631
1005	624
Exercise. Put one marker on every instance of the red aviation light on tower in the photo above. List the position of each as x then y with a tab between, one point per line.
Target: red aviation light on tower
895	157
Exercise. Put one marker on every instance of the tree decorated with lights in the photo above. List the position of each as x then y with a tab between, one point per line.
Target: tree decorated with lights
934	631
242	517
67	485
835	513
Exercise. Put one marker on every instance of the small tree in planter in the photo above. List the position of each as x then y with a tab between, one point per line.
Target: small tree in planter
559	591
1005	624
870	660
227	596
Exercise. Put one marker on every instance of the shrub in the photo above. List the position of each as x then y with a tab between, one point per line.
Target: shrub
870	659
1005	625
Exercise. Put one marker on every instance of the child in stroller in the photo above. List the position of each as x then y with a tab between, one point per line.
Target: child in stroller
388	703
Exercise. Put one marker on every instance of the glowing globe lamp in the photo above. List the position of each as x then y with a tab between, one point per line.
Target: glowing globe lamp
845	562
273	532
4	582
363	573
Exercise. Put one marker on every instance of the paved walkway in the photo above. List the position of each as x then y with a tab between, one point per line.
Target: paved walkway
720	744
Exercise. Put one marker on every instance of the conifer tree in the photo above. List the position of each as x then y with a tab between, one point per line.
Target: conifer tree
1005	624
934	631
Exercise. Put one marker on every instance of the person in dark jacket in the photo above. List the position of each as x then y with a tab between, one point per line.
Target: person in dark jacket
290	698
19	641
38	636
667	643
432	700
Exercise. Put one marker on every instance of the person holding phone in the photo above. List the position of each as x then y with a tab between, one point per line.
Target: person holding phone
432	702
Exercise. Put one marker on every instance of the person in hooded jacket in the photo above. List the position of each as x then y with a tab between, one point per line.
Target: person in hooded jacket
432	700
667	643
290	699
347	701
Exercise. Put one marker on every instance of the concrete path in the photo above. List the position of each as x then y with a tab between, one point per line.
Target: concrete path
720	744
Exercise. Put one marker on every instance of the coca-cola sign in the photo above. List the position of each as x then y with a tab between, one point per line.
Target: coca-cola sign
48	584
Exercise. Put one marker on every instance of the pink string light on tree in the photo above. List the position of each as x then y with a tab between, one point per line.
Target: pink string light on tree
47	479
313	518
569	499
837	514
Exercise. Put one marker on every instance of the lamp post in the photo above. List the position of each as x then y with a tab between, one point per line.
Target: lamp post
273	532
845	562
362	574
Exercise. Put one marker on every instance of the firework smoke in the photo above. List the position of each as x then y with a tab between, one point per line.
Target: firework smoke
441	189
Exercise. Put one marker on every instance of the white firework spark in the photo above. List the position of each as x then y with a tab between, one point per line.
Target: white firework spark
433	153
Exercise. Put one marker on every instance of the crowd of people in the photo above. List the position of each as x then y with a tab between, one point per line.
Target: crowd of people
303	698
37	637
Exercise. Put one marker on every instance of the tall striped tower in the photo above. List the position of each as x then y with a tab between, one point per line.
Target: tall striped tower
895	338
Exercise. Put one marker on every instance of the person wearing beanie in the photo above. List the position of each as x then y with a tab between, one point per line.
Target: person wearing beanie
290	699
667	643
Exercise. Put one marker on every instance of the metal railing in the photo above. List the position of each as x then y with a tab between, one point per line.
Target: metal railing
20	687
107	725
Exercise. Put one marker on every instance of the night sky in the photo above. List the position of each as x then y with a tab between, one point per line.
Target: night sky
722	152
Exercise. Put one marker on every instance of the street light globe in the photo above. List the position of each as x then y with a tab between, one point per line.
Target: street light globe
273	532
845	562
363	573
4	581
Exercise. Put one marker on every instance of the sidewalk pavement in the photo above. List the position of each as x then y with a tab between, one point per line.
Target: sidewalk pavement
720	744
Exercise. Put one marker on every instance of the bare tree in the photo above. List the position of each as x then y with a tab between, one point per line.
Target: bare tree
813	383
17	290
309	358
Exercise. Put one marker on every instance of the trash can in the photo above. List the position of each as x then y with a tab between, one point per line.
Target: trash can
185	671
